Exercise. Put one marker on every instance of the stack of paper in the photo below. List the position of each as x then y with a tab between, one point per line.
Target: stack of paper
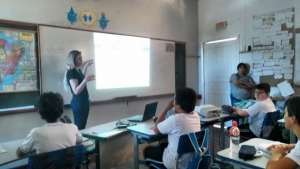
2	150
285	88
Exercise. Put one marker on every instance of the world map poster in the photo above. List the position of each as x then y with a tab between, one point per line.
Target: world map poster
18	61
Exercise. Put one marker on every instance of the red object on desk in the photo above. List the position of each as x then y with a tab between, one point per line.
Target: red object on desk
152	127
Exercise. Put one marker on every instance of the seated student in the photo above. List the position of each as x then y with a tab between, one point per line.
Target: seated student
257	112
54	135
287	156
184	121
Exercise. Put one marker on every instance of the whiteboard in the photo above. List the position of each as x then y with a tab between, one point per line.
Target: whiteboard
56	43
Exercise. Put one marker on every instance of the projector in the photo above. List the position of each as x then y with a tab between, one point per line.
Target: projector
208	110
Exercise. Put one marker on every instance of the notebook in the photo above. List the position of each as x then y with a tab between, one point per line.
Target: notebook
149	113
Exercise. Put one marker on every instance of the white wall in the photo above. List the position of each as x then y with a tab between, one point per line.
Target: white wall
239	16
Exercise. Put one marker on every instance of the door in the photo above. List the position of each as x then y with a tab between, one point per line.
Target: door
220	61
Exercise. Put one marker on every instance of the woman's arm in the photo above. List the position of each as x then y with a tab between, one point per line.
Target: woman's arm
78	88
85	65
161	118
239	83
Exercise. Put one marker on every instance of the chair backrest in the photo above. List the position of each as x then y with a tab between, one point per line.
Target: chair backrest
64	158
65	119
185	146
270	121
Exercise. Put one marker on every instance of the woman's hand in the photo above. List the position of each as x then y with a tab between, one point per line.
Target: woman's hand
89	78
278	151
88	62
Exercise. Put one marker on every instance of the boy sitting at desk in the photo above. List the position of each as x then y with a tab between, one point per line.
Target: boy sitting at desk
287	156
184	121
54	135
258	111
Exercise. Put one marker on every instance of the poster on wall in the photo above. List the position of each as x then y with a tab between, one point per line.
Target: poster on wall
18	61
274	44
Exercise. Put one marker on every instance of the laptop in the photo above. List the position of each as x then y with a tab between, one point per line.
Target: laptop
149	113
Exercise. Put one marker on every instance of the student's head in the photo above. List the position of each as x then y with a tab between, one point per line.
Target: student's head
292	112
51	106
74	59
262	91
241	67
185	99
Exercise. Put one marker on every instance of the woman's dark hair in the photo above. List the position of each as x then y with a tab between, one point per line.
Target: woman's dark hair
241	65
51	106
263	86
293	107
186	98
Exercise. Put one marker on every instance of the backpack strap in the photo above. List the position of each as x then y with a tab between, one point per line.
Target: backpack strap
198	152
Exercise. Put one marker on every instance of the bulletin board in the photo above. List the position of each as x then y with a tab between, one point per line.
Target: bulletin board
274	46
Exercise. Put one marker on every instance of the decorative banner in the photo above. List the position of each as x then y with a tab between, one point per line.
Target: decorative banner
72	16
87	18
103	21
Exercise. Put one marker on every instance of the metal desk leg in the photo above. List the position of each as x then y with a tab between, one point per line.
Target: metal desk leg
97	156
211	135
222	139
136	151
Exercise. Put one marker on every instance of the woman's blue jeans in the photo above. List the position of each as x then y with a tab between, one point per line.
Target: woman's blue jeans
80	108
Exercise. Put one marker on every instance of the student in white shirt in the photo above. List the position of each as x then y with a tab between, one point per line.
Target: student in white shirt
287	156
257	112
184	121
54	135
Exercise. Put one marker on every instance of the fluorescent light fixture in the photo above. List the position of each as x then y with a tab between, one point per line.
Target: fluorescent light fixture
222	40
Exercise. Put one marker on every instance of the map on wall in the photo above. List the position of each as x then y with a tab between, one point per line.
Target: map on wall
273	44
18	61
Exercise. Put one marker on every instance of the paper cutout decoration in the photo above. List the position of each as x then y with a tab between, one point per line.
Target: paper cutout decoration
72	16
87	18
103	21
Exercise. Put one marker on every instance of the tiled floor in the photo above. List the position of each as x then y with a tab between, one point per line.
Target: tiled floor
129	164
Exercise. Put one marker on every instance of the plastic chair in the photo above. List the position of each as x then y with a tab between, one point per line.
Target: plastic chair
202	157
88	150
270	127
70	157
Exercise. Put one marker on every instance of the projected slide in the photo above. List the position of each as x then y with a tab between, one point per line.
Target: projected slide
121	61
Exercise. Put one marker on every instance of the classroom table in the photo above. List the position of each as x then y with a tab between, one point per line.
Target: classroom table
209	122
256	163
102	133
293	138
9	159
143	130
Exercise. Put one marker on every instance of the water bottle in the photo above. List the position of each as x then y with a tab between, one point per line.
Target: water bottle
234	137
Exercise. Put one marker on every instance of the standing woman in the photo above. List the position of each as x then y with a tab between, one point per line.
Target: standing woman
77	81
240	85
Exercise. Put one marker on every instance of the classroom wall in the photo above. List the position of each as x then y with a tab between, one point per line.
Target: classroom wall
239	16
168	19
